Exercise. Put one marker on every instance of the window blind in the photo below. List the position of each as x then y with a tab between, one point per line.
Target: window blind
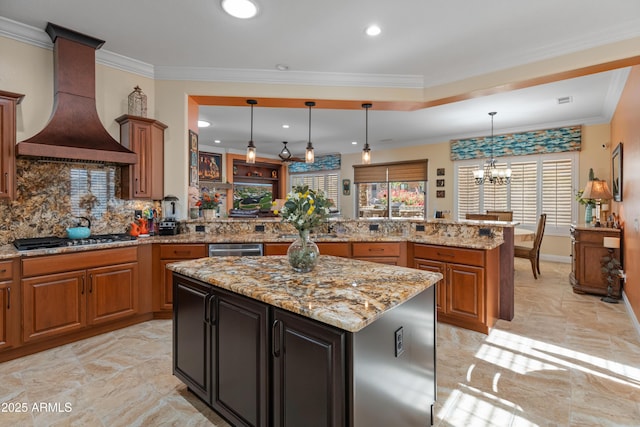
524	178
557	191
327	183
413	170
468	200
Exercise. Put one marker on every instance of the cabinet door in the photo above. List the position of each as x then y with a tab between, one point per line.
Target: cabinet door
308	372
7	146
465	292
7	308
112	292
191	335
141	145
53	304
441	287
240	368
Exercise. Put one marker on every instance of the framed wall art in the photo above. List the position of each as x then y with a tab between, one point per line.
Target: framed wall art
439	182
616	173
209	166
440	171
440	194
193	159
346	187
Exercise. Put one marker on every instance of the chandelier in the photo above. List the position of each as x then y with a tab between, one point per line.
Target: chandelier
491	173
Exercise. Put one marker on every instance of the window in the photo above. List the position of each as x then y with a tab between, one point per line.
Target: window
542	183
92	187
326	182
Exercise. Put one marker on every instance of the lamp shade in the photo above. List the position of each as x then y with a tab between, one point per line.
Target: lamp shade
611	242
597	189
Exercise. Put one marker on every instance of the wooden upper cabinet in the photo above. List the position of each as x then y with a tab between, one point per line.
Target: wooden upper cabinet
8	102
145	137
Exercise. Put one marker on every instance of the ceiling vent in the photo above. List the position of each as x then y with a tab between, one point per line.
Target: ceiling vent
565	100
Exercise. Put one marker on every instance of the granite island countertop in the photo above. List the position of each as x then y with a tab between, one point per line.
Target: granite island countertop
346	293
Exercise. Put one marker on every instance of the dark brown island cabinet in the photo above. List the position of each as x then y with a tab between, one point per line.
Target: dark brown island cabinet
259	365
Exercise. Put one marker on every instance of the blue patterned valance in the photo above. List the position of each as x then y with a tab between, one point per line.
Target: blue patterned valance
518	144
321	163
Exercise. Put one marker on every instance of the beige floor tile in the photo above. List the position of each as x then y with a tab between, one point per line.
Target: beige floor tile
565	360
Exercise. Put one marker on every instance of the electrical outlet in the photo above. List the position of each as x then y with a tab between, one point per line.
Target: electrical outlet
373	227
137	214
199	228
398	338
419	227
259	228
485	232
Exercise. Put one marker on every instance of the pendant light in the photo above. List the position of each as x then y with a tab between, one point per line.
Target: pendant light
285	154
491	174
309	156
366	151
251	149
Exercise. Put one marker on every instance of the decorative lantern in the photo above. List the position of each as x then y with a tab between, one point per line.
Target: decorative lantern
137	103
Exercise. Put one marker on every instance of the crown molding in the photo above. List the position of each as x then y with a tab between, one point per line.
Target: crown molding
238	75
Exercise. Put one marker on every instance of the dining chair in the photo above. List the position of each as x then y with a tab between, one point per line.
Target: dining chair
483	217
502	215
532	253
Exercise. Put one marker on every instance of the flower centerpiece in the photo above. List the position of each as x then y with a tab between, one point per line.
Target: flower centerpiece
305	209
209	205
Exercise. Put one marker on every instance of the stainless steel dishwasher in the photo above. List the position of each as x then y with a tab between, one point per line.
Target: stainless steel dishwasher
235	249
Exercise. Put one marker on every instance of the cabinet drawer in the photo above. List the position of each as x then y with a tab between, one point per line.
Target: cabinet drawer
49	264
363	249
183	251
448	254
6	270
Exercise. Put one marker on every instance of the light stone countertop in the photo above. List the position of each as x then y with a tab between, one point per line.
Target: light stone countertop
345	293
456	236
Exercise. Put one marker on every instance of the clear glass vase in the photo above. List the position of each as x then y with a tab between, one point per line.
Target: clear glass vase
303	253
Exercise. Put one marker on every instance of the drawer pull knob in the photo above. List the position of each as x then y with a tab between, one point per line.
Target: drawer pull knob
446	254
181	252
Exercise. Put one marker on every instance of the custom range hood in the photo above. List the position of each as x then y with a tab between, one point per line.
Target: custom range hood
74	131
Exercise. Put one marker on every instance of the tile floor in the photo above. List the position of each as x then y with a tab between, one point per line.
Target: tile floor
565	360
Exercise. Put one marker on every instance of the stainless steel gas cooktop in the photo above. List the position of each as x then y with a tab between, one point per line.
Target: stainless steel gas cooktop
57	242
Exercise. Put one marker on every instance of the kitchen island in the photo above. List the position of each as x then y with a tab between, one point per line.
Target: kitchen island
351	343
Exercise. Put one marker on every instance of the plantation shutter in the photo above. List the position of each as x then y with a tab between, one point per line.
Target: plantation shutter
524	181
495	195
557	191
468	191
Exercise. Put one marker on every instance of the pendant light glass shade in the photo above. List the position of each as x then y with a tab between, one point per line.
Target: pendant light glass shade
251	149
309	156
366	151
491	173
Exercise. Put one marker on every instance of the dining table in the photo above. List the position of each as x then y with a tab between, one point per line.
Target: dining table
523	235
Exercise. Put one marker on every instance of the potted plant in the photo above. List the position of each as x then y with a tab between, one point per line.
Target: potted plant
209	205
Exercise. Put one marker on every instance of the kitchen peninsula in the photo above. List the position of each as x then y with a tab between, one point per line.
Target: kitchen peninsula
261	343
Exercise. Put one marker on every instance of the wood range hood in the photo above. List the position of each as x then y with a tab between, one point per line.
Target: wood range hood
74	131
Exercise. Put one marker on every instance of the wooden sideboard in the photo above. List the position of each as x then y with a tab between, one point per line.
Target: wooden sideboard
587	250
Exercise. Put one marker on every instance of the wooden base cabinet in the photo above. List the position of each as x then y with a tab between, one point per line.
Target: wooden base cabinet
164	254
587	251
468	295
57	301
9	305
220	350
298	345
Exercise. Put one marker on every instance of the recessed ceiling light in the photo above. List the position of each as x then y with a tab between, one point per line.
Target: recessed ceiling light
282	67
373	30
285	126
217	141
241	9
203	124
354	142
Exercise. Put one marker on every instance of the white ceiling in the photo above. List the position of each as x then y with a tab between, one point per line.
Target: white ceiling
423	43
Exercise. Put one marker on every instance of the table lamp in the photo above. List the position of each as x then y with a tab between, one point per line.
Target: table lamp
610	267
597	190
